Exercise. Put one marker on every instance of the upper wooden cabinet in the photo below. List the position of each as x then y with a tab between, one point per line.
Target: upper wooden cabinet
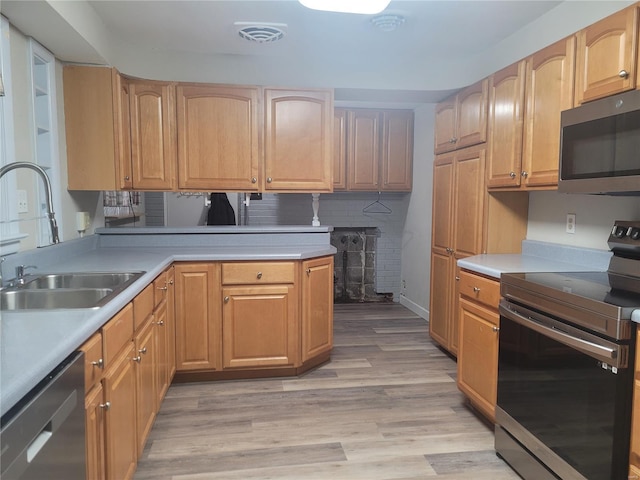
339	149
96	107
218	137
549	90
298	139
461	120
153	151
379	150
506	115
607	56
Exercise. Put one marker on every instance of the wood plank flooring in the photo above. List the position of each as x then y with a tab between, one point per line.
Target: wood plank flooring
385	407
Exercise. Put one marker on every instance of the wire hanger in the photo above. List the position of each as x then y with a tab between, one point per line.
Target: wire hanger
377	207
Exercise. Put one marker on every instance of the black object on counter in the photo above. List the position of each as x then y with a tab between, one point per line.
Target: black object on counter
220	211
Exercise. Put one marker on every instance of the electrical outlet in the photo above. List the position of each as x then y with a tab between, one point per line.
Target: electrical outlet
571	223
23	205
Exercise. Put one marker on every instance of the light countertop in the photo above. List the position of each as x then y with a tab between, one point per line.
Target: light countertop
496	264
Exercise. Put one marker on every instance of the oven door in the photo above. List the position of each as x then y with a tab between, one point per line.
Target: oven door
564	396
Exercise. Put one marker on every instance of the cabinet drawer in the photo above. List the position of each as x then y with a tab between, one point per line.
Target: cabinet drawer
93	361
117	333
481	289
143	306
257	273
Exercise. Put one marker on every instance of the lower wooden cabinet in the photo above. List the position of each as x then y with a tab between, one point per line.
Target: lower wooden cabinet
317	307
95	433
145	371
120	416
478	342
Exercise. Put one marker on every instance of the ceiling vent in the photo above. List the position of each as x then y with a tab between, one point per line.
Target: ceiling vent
387	22
261	32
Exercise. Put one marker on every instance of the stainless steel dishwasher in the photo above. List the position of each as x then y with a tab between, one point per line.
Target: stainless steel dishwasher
43	437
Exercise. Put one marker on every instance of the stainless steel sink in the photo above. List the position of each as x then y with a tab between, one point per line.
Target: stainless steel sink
82	280
51	299
66	290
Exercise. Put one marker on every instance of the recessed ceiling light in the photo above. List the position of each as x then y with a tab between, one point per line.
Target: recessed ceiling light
368	7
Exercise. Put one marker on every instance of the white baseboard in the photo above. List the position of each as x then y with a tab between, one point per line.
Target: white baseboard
414	307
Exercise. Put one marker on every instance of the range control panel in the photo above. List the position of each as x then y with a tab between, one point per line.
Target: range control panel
625	236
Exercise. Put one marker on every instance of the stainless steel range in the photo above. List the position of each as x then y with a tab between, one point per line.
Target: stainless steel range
565	367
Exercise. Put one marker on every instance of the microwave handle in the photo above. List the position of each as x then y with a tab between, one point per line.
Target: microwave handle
606	354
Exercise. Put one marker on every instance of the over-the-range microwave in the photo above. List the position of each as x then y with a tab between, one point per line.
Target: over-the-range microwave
600	146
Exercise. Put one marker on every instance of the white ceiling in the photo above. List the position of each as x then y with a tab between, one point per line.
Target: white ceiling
197	40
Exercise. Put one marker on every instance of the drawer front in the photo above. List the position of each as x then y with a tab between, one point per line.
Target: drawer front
142	306
117	333
481	289
93	361
251	273
160	288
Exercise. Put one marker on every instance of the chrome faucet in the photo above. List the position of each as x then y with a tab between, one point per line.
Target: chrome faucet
47	190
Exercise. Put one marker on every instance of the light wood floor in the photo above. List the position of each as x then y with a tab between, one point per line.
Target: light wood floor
385	407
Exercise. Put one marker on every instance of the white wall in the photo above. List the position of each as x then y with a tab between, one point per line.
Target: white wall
416	237
595	215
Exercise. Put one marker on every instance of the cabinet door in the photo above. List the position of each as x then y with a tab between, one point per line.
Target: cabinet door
440	298
478	355
397	150
471	117
145	370
170	324
549	87
363	150
95	431
506	101
217	137
339	149
606	56
442	224
260	326
122	126
468	205
317	307
153	152
198	327
120	395
298	140
445	127
161	339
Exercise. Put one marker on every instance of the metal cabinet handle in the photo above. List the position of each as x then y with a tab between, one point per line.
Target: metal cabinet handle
105	405
163	288
308	270
495	329
457	278
524	174
259	275
269	179
98	363
512	174
126	179
143	351
254	179
476	289
623	74
171	282
137	359
453	140
226	299
160	323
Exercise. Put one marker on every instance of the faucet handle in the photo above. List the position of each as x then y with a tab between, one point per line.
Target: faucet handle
20	269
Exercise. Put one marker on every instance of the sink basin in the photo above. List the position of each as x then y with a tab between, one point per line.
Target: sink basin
66	290
82	280
50	299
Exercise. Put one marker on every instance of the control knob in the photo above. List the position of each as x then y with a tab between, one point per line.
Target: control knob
635	233
620	232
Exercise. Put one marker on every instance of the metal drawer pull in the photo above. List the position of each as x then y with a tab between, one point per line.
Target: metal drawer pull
476	289
163	288
105	405
269	179
98	363
308	270
137	359
226	299
623	74
254	179
495	329
524	174
512	174
160	323
457	278
143	351
259	275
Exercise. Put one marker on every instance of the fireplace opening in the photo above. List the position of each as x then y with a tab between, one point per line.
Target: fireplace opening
354	272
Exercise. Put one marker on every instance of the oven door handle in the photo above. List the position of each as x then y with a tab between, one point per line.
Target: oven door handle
604	353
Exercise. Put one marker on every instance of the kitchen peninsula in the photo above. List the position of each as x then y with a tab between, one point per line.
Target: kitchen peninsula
33	342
